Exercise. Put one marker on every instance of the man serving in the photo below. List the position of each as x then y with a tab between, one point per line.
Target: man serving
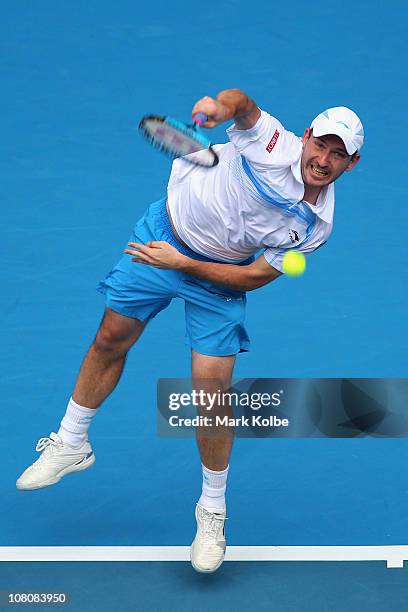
272	192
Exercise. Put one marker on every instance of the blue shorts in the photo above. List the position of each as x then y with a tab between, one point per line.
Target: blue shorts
214	314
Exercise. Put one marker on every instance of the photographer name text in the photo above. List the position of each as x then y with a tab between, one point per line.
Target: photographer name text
225	421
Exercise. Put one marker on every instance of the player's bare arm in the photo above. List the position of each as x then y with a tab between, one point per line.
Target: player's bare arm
241	278
160	254
229	104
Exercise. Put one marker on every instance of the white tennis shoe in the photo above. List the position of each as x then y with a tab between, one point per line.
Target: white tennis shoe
57	459
208	548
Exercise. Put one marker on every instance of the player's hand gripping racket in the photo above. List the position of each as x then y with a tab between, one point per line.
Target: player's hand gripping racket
178	139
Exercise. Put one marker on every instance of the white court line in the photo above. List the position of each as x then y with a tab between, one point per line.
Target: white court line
393	555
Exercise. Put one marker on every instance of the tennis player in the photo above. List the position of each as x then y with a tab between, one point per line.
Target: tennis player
271	191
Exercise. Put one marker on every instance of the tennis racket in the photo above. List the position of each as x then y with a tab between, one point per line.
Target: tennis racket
178	139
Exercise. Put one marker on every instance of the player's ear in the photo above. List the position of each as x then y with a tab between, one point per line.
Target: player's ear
354	160
306	135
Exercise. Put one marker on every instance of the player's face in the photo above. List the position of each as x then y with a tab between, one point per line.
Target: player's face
324	159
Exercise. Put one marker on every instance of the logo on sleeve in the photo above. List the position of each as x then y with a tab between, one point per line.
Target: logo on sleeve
272	141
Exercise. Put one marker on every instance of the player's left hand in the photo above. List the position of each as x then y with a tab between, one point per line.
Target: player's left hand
157	253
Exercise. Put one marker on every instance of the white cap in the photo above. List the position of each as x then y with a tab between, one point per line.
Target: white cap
343	122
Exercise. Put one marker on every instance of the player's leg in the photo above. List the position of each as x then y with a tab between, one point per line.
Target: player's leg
133	294
213	375
103	364
69	450
216	332
99	374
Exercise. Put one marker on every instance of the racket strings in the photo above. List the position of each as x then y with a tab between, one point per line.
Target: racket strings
178	140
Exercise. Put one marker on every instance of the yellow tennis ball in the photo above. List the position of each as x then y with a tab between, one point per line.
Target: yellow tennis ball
294	263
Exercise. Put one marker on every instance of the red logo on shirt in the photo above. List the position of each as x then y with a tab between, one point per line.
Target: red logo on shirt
273	141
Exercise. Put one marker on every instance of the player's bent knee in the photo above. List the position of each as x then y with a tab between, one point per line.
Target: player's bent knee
117	335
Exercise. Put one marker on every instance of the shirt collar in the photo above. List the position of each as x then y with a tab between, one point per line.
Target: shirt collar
324	207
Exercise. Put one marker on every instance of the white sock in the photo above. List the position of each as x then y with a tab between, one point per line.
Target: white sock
75	424
214	487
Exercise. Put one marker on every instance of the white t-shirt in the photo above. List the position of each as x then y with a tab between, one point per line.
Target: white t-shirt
252	200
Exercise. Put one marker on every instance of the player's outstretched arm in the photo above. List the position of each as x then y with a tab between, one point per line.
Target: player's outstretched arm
241	278
161	254
229	104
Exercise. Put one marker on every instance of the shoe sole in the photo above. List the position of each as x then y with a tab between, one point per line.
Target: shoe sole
205	571
68	470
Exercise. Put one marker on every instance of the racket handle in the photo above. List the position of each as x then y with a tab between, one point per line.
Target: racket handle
200	118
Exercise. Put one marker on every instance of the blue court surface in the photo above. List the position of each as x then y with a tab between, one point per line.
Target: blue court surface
76	176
